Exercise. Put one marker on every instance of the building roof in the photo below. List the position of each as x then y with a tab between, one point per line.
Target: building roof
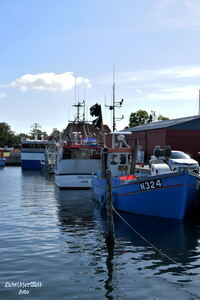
163	124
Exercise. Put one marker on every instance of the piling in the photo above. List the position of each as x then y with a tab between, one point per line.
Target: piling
110	238
104	161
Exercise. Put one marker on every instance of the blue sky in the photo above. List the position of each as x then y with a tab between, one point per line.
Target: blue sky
154	45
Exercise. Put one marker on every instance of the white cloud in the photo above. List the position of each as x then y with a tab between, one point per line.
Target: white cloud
3	96
178	14
182	72
166	74
49	82
175	83
189	92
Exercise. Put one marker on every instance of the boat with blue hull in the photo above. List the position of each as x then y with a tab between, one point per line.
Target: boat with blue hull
2	158
33	153
167	194
2	161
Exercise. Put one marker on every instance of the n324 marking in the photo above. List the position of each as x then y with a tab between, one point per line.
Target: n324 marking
150	185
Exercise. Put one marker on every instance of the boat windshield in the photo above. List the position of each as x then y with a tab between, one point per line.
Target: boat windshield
33	146
81	153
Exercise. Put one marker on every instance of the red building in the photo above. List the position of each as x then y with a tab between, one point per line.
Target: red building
181	134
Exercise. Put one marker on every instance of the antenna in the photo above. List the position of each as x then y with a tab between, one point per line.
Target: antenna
114	103
78	106
75	90
199	102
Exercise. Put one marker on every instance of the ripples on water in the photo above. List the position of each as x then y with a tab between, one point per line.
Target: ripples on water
57	238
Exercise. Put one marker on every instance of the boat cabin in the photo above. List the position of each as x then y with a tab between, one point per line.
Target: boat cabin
119	161
80	152
34	144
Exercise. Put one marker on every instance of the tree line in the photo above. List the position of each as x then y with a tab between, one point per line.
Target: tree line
8	138
141	117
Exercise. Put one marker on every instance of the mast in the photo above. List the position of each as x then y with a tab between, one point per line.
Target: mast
199	102
114	104
114	124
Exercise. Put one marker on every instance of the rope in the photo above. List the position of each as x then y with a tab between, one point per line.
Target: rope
154	247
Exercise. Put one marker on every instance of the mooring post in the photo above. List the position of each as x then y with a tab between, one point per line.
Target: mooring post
110	238
133	161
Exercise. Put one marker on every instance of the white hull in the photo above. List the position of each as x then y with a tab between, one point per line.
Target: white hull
73	181
75	173
32	155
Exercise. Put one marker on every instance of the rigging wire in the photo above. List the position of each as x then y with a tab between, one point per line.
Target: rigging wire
154	247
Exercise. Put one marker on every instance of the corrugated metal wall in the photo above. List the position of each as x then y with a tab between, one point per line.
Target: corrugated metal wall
184	140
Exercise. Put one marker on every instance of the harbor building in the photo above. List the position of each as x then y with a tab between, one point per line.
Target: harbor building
181	134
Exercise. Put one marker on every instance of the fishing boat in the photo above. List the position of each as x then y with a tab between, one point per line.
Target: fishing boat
48	164
32	154
76	163
80	155
2	159
159	192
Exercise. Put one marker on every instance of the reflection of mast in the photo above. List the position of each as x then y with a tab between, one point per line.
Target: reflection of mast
114	103
108	282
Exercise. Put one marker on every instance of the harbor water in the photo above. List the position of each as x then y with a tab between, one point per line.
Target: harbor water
53	247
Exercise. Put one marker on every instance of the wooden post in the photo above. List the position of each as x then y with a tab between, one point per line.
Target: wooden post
110	238
104	161
133	161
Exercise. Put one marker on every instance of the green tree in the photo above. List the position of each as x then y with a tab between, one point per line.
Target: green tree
7	136
21	137
162	118
55	135
37	133
139	117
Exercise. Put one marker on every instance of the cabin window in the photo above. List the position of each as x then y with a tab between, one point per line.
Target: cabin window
113	159
122	159
26	146
40	146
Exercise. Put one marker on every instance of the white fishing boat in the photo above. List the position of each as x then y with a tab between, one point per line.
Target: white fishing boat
75	165
48	164
80	156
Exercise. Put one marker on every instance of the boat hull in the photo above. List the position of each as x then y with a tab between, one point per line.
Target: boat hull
75	173
168	196
31	160
2	162
82	181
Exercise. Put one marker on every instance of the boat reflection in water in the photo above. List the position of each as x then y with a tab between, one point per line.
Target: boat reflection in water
116	269
176	239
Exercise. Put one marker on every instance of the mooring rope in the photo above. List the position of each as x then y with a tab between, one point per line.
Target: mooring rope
154	247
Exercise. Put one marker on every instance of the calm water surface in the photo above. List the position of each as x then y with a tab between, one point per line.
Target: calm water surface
53	247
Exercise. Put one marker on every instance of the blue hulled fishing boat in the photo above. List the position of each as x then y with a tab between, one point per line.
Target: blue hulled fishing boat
2	158
159	193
